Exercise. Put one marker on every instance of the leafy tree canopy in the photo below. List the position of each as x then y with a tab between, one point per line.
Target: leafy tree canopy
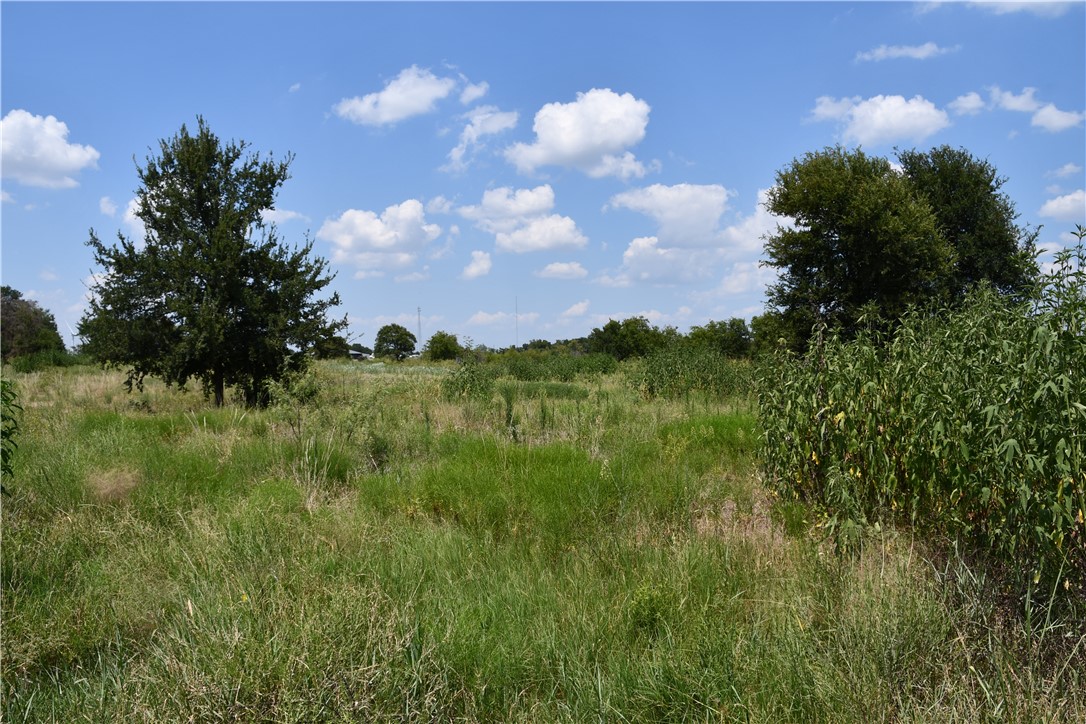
867	239
976	218
862	240
731	338
210	292
27	328
442	346
632	337
393	340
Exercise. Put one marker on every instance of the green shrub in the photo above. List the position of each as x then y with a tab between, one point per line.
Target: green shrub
676	372
969	423
9	425
471	381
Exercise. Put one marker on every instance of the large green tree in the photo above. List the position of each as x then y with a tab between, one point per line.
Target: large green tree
393	340
26	328
632	337
975	217
210	292
862	239
731	338
442	346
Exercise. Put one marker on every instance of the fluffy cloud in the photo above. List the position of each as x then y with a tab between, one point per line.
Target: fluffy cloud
373	243
969	104
542	233
106	206
132	222
592	134
745	277
1041	9
1068	169
914	52
473	91
521	222
882	119
503	209
563	270
577	310
413	92
281	216
646	261
479	266
1045	115
1054	120
481	318
687	214
1071	207
6	198
482	121
34	151
1024	101
745	236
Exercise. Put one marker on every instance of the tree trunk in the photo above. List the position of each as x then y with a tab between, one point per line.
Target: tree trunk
220	391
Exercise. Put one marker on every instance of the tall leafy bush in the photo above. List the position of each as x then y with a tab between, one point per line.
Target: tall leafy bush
969	422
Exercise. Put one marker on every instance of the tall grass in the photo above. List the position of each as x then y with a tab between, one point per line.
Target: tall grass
619	560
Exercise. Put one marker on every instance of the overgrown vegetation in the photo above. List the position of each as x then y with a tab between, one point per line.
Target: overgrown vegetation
968	423
368	548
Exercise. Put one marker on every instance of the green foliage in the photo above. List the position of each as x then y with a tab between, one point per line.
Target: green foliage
731	338
27	329
470	381
393	340
969	422
676	372
862	240
976	218
210	293
632	337
9	425
442	346
48	358
534	366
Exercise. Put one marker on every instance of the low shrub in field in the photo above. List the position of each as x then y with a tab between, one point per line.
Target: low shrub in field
676	372
969	422
471	380
555	367
48	358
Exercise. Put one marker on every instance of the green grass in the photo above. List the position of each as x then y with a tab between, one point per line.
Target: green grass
616	559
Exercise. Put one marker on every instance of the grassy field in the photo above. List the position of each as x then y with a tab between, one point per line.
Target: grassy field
370	551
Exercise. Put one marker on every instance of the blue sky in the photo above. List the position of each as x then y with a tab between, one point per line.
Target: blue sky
523	171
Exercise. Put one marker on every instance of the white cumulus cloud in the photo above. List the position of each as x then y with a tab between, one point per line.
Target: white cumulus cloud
563	270
1008	101
576	310
34	150
1054	120
882	119
473	91
280	216
1068	169
687	214
1035	7
482	121
415	91
373	243
6	198
542	233
1071	207
914	52
479	266
593	134
106	206
969	104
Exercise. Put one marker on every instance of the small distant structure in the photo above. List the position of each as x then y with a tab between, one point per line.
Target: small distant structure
359	355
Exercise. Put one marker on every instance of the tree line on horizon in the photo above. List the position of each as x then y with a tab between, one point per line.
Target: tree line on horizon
213	294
